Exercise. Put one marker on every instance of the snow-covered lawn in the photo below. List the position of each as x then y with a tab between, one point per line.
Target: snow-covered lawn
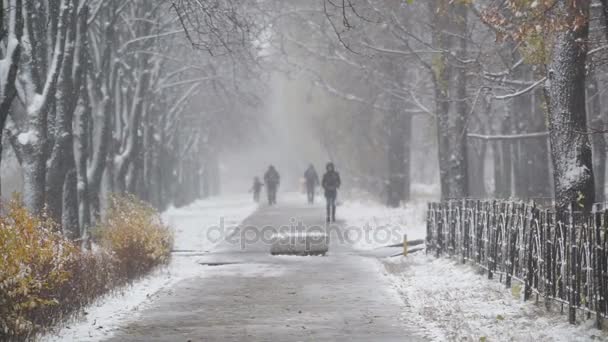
449	301
445	300
381	226
191	226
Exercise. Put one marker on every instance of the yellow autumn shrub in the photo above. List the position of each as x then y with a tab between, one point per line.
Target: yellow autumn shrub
35	260
45	277
135	235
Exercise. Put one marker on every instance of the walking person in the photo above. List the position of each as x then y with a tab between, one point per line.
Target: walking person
272	180
331	184
312	181
256	188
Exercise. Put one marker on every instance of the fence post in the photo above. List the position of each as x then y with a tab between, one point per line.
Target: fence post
557	283
429	207
478	231
529	259
597	267
439	234
589	287
604	263
512	243
571	270
452	208
491	234
546	224
464	229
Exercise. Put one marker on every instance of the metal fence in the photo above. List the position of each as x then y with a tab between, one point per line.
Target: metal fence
561	258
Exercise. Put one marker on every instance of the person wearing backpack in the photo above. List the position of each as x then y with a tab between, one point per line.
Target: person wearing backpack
331	183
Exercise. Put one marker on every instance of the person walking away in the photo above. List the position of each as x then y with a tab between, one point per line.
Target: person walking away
256	188
312	180
331	184
272	180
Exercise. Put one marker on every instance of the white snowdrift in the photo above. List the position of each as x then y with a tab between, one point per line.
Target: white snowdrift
381	226
447	301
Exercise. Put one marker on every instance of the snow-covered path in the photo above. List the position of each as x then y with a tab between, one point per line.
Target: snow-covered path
242	293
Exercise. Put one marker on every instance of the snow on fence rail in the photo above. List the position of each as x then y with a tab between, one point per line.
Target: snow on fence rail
559	257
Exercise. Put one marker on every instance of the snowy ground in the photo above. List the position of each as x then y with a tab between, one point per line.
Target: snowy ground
448	301
247	294
195	234
372	225
442	299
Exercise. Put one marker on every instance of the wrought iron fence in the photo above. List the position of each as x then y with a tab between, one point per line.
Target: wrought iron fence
561	257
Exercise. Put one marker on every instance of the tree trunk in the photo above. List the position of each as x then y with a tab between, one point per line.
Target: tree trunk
476	152
598	140
521	111
82	145
8	91
540	185
458	122
101	94
34	176
61	174
570	146
32	144
450	34
70	217
503	163
399	137
441	72
131	151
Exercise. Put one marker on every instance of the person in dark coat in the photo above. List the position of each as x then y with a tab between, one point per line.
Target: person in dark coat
272	180
331	183
312	180
256	188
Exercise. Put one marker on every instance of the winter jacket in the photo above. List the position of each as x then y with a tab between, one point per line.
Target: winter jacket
331	181
311	176
257	186
272	178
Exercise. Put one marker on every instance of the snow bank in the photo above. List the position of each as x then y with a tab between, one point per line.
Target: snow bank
449	301
191	225
378	225
197	224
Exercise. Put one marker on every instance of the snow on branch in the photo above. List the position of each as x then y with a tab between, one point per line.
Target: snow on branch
219	27
509	136
520	92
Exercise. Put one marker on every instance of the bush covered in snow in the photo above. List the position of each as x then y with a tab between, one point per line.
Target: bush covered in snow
45	277
134	233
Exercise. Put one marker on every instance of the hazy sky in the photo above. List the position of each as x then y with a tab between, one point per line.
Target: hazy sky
288	140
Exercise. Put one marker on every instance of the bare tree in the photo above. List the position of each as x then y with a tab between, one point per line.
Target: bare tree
36	87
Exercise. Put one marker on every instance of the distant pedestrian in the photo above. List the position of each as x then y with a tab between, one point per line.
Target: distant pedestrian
312	181
256	188
272	180
331	183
